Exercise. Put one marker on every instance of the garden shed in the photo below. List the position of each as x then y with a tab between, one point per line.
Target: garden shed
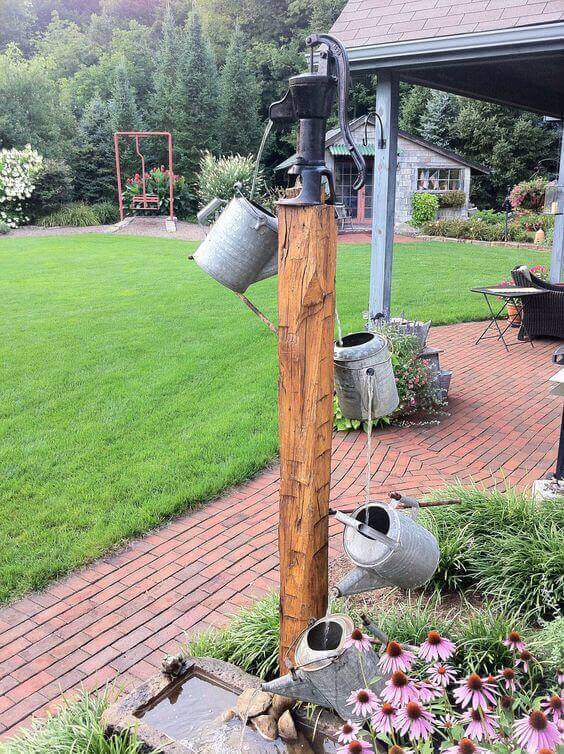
510	52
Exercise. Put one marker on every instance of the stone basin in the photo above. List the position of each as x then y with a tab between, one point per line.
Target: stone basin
183	715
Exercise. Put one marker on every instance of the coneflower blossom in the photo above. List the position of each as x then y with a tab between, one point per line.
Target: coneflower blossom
553	705
384	719
395	657
395	749
515	642
508	679
399	690
441	675
474	691
348	732
356	747
435	647
358	640
447	721
524	658
364	701
428	691
415	721
481	724
535	731
465	746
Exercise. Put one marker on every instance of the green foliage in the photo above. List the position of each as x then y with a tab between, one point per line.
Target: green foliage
413	105
490	226
163	102
340	422
454	199
239	125
76	729
107	213
73	215
93	161
53	188
17	18
4	228
511	552
548	644
218	176
124	113
439	118
157	182
424	208
489	216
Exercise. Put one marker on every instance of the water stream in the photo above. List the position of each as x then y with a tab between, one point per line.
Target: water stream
369	440
259	157
339	328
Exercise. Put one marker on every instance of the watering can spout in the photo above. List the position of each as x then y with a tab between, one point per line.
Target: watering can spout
359	580
295	686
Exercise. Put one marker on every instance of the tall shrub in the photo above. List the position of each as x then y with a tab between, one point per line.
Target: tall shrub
18	170
424	208
124	112
218	176
164	105
94	155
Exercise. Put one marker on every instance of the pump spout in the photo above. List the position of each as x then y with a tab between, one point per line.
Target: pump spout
295	686
359	580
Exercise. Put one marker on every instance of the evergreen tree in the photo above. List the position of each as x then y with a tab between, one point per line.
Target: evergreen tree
164	106
124	114
239	101
413	105
196	96
93	163
437	122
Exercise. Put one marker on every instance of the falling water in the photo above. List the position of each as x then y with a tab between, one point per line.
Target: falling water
259	157
339	328
370	375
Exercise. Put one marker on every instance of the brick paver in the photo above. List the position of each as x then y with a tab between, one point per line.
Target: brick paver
116	618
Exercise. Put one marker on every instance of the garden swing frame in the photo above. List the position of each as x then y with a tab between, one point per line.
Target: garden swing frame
145	201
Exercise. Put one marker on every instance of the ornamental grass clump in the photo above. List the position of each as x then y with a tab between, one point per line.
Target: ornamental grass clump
220	175
501	711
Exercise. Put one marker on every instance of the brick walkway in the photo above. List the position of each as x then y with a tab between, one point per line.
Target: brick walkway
118	616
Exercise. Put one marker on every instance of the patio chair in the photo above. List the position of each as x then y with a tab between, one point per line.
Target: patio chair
542	315
344	219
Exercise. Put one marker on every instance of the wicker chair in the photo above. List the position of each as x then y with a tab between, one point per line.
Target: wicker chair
542	315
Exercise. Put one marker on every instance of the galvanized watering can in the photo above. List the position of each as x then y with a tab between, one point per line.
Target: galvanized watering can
241	246
363	365
325	672
388	547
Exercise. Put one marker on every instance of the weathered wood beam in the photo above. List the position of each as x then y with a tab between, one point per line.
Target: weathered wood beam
384	196
557	257
306	296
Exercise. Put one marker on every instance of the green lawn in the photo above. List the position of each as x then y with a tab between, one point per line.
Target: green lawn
133	386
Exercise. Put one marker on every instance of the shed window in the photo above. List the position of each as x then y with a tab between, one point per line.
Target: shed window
345	177
439	179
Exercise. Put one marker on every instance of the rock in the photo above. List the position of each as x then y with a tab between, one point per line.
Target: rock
286	727
280	704
252	703
301	746
173	665
228	715
267	727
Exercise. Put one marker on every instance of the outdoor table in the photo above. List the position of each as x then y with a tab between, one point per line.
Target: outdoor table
507	295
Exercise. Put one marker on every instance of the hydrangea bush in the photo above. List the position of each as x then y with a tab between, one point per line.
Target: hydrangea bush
426	707
18	170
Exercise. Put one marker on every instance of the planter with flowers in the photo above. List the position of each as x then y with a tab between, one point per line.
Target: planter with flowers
514	308
157	183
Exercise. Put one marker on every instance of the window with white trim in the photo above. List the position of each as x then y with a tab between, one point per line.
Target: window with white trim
439	179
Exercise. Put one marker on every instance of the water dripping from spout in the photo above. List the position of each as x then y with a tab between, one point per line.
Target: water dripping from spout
259	157
339	328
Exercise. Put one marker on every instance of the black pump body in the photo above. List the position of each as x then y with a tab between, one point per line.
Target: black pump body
309	102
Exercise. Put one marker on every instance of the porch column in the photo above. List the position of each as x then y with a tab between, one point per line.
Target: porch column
557	258
384	196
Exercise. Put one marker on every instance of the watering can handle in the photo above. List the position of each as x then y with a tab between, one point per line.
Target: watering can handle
366	530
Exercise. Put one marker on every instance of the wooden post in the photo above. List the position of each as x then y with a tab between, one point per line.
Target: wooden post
306	294
557	258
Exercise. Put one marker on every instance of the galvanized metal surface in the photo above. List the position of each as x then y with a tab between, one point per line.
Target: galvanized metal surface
354	355
241	247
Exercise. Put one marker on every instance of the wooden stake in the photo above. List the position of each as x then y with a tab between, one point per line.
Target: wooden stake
306	277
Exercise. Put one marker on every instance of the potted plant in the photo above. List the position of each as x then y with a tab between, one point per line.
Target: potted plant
515	307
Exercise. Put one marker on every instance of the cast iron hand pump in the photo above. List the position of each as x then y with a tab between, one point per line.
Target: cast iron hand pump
309	101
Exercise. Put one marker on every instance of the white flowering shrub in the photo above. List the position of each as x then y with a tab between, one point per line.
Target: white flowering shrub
18	170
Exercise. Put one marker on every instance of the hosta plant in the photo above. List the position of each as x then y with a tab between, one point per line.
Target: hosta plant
19	169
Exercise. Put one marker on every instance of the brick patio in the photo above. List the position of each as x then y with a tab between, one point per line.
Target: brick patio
117	617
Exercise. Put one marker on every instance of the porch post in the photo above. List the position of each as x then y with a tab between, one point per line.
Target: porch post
557	258
384	196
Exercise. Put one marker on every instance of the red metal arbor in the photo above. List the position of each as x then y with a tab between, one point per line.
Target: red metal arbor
144	200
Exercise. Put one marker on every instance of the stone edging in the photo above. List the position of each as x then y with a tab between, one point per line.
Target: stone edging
476	242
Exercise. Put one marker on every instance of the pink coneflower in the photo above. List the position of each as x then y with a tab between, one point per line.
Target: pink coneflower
435	647
514	641
365	702
441	675
348	732
395	749
447	721
465	746
535	731
415	721
474	691
552	705
384	719
524	658
399	690
358	640
356	747
395	657
428	691
481	724
508	679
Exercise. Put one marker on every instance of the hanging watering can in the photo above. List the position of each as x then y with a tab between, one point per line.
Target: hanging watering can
241	246
363	365
388	547
325	672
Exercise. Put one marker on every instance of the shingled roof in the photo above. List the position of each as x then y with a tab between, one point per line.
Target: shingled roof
372	22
